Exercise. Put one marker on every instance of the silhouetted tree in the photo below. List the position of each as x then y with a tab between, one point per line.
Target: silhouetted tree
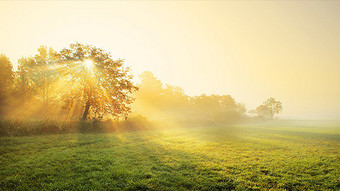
269	108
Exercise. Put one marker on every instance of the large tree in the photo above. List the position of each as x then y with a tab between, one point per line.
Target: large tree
269	108
94	79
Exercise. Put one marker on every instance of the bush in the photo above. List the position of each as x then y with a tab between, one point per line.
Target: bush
42	127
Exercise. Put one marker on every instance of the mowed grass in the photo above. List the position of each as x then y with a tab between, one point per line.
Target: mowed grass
244	157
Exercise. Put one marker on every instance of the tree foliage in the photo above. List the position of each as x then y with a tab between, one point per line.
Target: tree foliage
7	77
36	74
78	80
6	80
269	108
83	80
158	101
94	79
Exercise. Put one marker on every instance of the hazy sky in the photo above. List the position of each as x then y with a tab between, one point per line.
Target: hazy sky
250	50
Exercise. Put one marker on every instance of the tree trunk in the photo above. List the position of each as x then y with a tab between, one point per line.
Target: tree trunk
86	111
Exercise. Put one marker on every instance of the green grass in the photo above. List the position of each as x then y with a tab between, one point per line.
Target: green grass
247	157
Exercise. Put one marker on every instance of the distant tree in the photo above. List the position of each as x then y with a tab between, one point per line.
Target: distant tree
228	110
209	104
6	80
94	79
150	91
170	102
241	109
264	111
269	108
149	97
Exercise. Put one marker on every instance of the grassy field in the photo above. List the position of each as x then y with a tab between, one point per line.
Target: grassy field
243	157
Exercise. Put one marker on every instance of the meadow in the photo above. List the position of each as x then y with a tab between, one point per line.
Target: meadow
280	156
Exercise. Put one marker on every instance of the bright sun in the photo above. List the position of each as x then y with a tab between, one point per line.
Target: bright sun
88	64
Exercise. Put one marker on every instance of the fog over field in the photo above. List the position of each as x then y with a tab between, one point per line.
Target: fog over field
169	95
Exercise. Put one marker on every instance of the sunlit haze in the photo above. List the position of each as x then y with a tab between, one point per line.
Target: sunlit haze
250	50
88	64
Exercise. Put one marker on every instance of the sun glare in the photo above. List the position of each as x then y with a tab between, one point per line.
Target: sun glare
88	64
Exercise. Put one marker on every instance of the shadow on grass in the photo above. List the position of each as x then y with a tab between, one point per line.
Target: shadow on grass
180	159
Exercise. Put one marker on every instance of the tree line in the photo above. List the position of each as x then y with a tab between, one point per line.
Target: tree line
162	101
83	81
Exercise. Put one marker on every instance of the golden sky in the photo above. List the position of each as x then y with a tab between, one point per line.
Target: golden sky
250	50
